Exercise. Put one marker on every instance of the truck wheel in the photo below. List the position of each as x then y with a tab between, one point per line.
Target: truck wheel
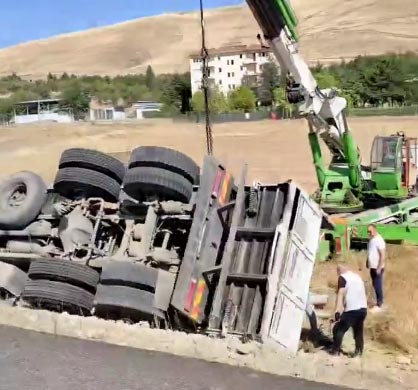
76	183
21	199
64	271
169	159
93	160
12	279
130	275
143	183
58	296
116	302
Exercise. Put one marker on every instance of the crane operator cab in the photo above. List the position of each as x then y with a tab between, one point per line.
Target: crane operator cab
394	167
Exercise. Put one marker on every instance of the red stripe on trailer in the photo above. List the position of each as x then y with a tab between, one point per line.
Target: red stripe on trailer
217	184
190	295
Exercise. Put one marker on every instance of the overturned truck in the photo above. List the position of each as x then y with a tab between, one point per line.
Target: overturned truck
160	240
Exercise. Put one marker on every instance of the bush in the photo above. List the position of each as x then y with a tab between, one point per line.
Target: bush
242	99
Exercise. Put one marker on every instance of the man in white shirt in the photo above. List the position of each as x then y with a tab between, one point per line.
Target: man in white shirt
350	310
376	263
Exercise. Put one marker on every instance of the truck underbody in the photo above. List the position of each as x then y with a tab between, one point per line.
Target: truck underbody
162	242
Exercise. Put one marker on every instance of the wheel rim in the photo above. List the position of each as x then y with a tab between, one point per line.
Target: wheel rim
14	197
17	197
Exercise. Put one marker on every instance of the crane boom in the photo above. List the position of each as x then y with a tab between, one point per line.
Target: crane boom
323	108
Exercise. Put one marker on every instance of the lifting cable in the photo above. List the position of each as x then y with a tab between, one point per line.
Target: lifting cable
205	83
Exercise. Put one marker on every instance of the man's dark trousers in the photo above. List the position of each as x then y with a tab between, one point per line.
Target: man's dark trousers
350	319
377	280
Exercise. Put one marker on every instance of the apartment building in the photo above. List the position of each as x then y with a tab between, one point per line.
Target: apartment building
229	65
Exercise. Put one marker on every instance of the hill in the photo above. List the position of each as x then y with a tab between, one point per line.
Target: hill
330	30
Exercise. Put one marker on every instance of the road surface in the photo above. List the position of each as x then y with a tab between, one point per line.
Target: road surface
35	361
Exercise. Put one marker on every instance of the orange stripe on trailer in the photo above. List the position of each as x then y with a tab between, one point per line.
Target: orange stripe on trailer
224	190
201	286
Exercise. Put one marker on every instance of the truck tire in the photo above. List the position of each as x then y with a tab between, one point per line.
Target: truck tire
143	183
119	273
12	279
93	160
77	183
118	302
64	271
57	296
169	159
22	197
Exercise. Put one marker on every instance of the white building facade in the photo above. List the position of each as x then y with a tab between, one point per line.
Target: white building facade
229	66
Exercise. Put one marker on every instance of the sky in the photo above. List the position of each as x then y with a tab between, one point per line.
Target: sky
26	20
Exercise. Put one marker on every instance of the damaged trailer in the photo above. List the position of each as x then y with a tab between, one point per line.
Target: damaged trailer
160	240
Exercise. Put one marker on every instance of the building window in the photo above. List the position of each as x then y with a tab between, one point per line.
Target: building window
220	70
229	74
233	74
242	68
254	56
232	62
240	56
219	58
227	62
220	82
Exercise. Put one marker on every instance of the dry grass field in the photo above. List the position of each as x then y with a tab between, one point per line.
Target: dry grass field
329	30
274	150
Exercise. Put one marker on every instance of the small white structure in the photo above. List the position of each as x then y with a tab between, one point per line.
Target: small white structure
42	110
228	66
143	106
106	111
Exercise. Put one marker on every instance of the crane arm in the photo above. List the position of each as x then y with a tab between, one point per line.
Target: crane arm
324	110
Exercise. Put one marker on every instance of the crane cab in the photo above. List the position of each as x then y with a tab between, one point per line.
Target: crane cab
393	166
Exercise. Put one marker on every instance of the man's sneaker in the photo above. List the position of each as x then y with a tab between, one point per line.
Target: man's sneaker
376	309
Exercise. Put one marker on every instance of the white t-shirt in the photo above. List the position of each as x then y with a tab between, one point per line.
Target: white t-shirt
373	256
355	296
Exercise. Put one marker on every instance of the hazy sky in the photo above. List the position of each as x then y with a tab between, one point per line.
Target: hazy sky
25	20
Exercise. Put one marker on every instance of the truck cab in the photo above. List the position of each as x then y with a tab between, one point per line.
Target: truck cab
393	165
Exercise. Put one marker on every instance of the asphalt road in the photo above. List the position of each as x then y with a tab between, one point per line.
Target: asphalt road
41	362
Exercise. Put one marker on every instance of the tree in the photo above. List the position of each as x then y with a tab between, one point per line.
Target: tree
76	98
6	109
217	102
242	99
150	78
326	79
269	82
177	92
280	99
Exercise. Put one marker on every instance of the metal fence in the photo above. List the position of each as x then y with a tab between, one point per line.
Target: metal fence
266	114
384	111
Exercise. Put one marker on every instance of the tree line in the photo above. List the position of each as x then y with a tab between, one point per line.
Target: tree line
386	80
367	81
75	92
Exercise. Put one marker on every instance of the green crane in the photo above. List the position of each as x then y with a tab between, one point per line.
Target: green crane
345	185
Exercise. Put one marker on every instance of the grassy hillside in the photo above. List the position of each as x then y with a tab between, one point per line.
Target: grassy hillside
330	30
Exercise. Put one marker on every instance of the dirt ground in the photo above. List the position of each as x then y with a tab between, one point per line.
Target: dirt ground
275	151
